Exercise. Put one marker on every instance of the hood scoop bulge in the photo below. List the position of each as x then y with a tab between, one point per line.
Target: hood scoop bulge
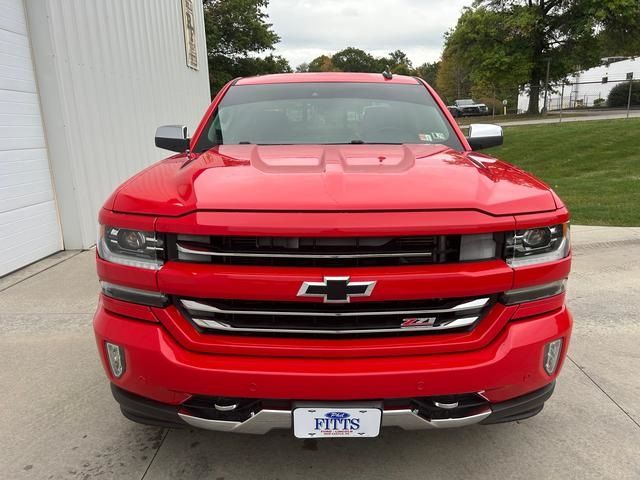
320	159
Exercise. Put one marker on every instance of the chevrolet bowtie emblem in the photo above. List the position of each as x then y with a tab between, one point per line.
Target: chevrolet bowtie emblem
336	289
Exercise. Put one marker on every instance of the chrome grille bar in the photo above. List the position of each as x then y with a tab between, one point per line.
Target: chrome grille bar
216	325
195	306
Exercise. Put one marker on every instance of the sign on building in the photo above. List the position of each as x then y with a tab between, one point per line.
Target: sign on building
190	44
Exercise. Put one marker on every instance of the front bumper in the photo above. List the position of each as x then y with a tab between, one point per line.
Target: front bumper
161	370
263	420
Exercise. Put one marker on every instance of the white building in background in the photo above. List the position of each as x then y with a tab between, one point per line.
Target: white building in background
588	86
83	85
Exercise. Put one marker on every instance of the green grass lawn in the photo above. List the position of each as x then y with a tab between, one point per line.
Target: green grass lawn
594	166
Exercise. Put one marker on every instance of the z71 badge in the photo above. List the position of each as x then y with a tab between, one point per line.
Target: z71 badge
418	322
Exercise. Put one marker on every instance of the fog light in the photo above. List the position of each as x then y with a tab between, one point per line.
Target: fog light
116	359
552	356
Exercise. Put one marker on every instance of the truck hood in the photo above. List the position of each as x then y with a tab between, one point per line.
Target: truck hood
332	178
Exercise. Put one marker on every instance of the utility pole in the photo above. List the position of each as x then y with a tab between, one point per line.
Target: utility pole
546	86
561	101
493	104
630	78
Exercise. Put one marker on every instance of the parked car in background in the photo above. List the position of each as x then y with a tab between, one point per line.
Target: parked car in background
468	108
328	253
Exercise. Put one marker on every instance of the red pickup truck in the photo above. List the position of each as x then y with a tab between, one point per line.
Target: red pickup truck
327	253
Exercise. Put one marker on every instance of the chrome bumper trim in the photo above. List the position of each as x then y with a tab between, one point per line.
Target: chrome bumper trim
266	420
260	423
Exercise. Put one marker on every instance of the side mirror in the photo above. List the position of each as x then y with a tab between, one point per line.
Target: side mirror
484	136
172	137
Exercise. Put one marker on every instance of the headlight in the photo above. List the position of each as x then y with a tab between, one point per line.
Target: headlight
537	245
130	247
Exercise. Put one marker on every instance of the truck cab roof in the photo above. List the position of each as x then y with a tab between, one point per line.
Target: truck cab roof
326	77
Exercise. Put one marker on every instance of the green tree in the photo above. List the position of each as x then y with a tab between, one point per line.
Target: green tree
323	63
619	95
236	31
566	35
452	79
428	72
485	56
398	62
355	60
249	66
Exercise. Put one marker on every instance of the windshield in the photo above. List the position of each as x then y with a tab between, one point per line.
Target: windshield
328	113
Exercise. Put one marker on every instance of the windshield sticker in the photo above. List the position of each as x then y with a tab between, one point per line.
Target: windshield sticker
439	135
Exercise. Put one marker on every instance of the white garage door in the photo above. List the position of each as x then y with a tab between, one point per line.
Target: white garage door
29	227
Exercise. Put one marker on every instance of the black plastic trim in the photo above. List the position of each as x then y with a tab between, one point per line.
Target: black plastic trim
480	143
520	408
150	412
145	411
179	145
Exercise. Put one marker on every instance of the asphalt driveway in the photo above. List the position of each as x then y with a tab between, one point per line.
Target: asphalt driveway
58	420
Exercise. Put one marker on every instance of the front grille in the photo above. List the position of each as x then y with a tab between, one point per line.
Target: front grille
249	317
315	251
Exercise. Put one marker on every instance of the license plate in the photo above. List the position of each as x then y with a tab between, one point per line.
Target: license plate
336	422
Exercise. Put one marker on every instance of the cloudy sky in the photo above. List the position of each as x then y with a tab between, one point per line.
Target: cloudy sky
312	28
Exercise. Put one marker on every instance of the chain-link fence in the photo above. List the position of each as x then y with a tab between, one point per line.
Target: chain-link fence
570	98
588	93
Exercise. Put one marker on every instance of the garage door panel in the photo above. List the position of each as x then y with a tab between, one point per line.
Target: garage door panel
14	44
23	160
12	16
22	143
29	226
20	195
20	79
28	234
19	103
16	108
19	173
10	57
12	96
15	223
20	131
19	119
14	5
19	137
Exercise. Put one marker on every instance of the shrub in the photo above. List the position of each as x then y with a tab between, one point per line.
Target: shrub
619	94
491	103
599	102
